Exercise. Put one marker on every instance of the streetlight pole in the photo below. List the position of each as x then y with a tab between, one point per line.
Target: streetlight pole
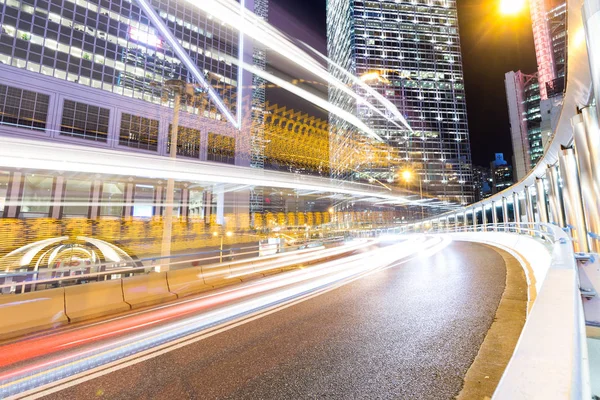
177	87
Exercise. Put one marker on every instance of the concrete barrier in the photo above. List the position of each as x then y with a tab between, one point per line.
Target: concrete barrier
28	312
145	290
185	282
94	300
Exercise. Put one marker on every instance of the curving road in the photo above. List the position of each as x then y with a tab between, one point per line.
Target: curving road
408	332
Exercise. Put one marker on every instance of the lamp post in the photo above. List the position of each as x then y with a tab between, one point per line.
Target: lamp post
177	88
228	234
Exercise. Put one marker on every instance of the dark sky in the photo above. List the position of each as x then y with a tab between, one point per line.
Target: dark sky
491	46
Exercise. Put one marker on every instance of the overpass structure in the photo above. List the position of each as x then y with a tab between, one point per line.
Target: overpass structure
549	220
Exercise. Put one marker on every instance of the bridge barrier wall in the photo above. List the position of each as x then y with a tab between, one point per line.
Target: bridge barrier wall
146	290
185	282
23	313
550	359
94	300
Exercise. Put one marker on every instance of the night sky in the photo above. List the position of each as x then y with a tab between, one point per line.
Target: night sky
491	45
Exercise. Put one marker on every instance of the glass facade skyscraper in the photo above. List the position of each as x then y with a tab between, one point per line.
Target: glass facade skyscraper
412	50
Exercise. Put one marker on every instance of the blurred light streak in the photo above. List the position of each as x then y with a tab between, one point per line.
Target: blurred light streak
261	31
291	286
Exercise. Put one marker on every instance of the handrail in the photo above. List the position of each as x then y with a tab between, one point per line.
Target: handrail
550	359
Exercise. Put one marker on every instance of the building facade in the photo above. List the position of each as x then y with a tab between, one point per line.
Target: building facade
535	101
502	174
93	73
412	52
523	98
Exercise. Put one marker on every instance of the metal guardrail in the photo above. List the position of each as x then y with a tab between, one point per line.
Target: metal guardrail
550	359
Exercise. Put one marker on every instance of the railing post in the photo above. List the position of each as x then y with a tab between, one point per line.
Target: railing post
517	210
529	206
483	218
589	192
572	199
540	192
505	213
556	203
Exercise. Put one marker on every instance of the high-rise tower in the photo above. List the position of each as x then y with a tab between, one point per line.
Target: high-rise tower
409	52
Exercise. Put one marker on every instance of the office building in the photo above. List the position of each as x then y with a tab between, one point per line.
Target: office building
501	172
411	51
93	73
533	116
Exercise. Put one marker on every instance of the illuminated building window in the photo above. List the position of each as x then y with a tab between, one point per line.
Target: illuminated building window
138	132
77	197
37	195
85	121
113	197
188	141
221	148
23	108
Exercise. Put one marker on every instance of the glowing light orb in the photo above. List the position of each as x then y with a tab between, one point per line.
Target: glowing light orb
511	7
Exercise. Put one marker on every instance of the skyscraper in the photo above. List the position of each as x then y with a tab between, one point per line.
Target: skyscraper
93	73
410	53
535	101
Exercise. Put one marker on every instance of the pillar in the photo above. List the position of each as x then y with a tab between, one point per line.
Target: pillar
483	218
14	195
128	206
95	199
505	219
517	210
589	193
494	216
57	198
573	204
540	191
555	197
474	215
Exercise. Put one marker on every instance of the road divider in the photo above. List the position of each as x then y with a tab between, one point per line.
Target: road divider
93	300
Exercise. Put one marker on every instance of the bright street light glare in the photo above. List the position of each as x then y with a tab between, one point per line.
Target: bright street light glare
511	7
406	175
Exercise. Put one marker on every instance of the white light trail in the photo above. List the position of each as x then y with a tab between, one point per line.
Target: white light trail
262	32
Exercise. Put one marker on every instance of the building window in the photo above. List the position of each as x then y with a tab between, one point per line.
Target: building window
221	148
85	121
37	195
113	199
23	108
188	142
143	201
77	197
139	132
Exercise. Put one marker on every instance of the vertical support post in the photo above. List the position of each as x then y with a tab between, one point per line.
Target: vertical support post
14	195
589	192
57	198
474	215
483	218
505	213
165	252
465	221
95	198
517	210
573	204
540	191
128	208
556	202
529	205
494	216
591	24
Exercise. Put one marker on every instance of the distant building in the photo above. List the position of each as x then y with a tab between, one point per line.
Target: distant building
413	50
523	98
501	174
482	180
535	101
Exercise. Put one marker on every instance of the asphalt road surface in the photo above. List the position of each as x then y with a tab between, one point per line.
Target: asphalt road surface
408	332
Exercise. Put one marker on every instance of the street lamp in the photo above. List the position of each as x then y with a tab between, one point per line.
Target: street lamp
407	175
228	234
511	7
177	88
